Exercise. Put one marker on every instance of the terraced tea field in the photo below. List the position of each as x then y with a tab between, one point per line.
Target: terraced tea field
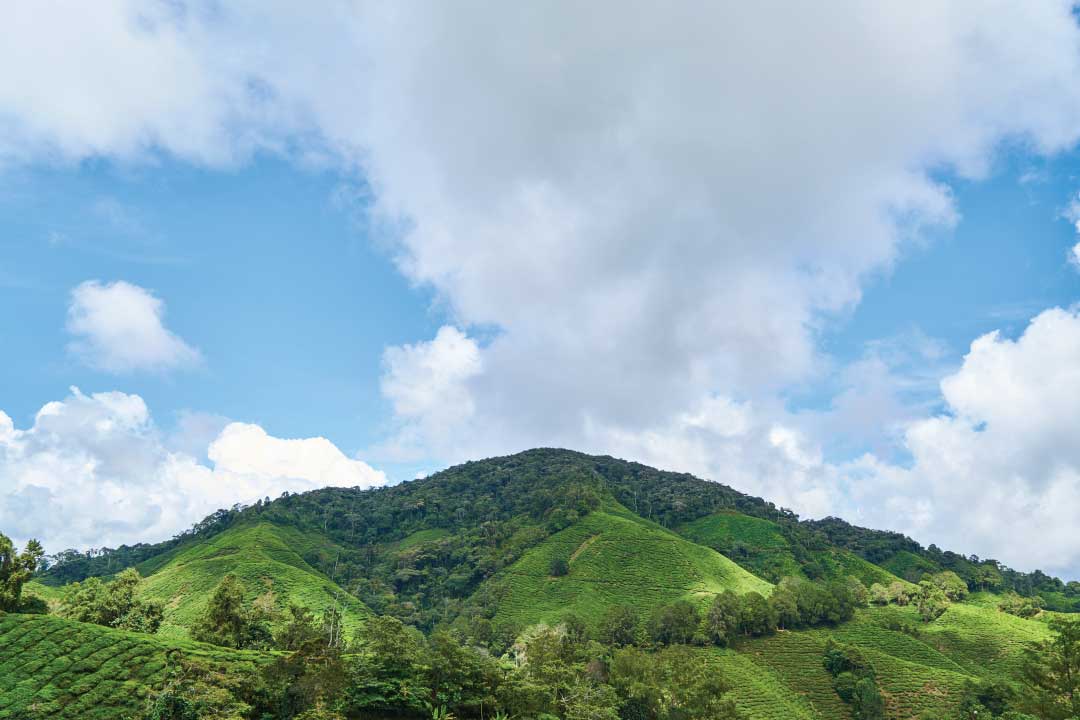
63	670
614	560
755	543
265	557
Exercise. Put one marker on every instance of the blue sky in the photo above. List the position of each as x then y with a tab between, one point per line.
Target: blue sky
821	256
270	271
264	269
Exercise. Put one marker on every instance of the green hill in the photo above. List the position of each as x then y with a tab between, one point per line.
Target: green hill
268	559
613	560
491	549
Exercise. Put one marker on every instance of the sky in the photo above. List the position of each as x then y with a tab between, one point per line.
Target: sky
828	256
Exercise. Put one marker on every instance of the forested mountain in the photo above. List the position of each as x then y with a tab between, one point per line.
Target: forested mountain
550	582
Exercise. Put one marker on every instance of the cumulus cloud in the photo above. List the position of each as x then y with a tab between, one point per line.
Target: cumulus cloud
94	470
657	208
1000	472
696	202
427	383
119	327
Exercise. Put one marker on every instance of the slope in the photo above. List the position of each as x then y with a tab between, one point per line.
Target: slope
65	670
612	559
267	558
760	546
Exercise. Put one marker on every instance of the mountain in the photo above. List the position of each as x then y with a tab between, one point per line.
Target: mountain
490	549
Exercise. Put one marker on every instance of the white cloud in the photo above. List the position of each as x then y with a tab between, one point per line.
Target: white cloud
247	450
427	383
119	328
94	470
656	207
1000	473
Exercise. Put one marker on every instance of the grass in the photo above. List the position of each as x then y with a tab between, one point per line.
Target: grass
613	559
60	669
265	557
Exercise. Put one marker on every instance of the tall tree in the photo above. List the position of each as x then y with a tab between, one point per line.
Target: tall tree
722	621
15	569
1052	673
230	620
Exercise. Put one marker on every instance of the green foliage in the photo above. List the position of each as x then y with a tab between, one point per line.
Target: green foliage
614	559
950	584
756	544
15	570
674	624
723	621
463	565
619	626
113	604
756	616
59	669
269	562
1051	673
673	683
931	601
231	621
194	689
854	680
1024	607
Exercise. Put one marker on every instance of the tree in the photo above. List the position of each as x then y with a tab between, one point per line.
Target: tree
674	624
230	621
784	606
879	594
854	680
15	570
950	584
858	592
197	689
931	601
898	593
586	700
619	626
672	683
384	673
757	616
1024	607
312	675
559	567
577	631
722	620
1051	673
113	604
694	689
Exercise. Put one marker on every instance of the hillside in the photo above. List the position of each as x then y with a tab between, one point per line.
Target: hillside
268	559
612	559
66	670
492	550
